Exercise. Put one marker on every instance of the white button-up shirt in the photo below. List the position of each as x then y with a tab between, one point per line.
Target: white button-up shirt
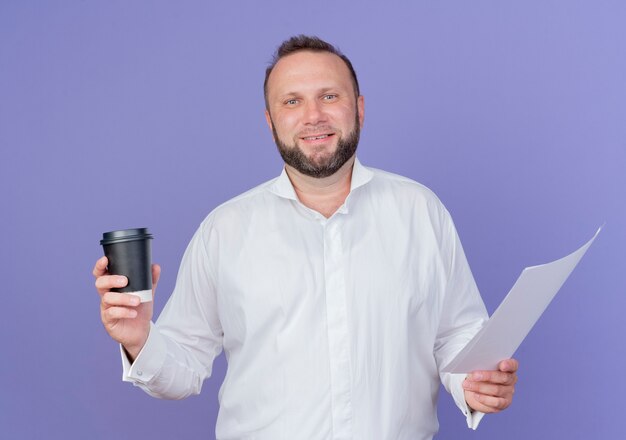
333	328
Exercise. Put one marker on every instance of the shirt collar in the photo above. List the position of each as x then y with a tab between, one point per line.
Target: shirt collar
282	186
360	175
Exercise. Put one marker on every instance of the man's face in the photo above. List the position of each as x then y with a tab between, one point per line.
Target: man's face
314	114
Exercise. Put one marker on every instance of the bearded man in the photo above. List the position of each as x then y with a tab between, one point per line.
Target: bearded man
337	291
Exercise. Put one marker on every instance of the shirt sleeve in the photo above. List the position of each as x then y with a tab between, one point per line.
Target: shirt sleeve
187	337
453	382
463	314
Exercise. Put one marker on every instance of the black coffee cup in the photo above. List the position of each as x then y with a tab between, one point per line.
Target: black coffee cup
129	254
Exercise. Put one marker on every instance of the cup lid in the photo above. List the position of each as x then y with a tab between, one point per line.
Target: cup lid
125	235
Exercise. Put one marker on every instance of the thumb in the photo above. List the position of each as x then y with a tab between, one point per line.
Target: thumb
156	274
509	365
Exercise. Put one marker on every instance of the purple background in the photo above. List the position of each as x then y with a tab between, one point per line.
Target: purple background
150	113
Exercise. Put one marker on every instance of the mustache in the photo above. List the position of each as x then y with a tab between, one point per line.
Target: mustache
316	130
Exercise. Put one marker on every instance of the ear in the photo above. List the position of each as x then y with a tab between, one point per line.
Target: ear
360	105
268	119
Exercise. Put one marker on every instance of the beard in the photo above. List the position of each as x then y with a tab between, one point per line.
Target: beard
324	166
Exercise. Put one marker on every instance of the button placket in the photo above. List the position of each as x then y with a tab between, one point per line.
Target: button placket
338	335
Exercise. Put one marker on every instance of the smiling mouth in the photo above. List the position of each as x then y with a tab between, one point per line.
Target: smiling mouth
314	138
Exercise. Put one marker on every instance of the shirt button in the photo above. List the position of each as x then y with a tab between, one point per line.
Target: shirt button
139	373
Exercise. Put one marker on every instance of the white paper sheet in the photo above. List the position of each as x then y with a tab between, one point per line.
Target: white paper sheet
518	313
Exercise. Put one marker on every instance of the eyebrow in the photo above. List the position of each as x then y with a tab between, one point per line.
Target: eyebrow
321	91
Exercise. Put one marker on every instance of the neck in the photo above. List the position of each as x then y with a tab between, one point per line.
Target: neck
324	195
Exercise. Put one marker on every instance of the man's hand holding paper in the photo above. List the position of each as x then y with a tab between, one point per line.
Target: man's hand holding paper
491	391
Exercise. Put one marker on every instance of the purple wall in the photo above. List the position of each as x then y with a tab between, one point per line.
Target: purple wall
149	113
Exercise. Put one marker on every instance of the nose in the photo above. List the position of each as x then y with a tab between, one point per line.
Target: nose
313	113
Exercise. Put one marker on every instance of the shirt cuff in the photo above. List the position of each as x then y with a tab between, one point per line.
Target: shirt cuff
473	418
148	362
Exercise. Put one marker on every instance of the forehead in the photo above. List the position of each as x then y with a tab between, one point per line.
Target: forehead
307	70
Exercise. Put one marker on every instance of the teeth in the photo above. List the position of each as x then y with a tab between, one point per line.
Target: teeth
316	137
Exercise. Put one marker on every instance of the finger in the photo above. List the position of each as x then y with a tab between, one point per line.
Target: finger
108	282
100	267
497	377
508	365
120	299
112	314
489	389
490	404
156	274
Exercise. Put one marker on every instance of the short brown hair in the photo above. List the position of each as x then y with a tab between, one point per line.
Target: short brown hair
311	43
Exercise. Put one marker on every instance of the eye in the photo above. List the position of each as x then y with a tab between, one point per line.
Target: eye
329	97
291	102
